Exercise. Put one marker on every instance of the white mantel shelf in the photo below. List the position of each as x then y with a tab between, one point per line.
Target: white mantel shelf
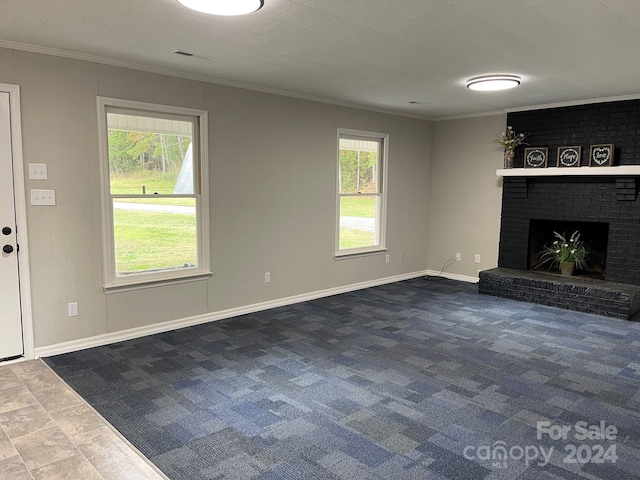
622	170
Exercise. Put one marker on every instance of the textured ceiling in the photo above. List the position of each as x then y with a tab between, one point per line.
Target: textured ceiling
379	54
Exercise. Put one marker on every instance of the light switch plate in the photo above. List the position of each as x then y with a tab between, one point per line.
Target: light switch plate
37	171
43	197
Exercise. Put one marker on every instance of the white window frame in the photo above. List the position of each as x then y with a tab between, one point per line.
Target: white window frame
381	218
200	140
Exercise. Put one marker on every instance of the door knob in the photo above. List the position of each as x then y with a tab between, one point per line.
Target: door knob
6	231
7	249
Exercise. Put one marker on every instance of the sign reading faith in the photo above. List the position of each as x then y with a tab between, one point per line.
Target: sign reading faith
601	155
535	157
569	156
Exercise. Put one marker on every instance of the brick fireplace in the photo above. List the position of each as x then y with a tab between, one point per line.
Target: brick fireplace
605	208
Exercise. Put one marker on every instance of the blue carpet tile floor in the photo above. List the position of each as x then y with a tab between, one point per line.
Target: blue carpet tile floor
421	379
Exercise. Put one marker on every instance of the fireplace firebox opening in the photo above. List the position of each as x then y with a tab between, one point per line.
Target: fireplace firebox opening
594	234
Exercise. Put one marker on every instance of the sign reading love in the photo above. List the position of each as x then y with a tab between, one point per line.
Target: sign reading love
601	155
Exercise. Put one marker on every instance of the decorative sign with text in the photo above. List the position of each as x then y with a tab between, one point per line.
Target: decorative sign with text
601	155
569	156
535	157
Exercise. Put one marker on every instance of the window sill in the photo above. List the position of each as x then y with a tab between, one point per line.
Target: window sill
347	256
108	289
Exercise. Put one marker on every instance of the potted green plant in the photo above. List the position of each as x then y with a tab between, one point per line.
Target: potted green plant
510	140
567	254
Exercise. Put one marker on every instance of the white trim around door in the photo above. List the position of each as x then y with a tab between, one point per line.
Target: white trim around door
21	217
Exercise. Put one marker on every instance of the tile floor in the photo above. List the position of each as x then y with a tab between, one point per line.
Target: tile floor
47	432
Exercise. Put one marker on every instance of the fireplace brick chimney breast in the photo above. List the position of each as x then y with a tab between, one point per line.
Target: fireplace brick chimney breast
608	199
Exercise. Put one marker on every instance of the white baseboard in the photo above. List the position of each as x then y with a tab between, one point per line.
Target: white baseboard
452	276
107	338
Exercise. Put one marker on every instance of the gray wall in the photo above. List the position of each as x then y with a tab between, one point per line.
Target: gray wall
466	194
272	189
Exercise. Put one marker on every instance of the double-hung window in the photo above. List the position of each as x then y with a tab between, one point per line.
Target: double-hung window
361	202
155	202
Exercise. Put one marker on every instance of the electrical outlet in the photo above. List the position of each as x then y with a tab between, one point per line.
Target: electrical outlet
458	257
37	171
477	258
73	309
43	197
402	256
267	277
387	258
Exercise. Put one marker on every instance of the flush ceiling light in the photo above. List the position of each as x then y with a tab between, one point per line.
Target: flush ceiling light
224	7
487	83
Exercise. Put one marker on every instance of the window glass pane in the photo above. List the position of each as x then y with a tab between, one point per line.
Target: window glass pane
154	234
358	225
358	166
150	155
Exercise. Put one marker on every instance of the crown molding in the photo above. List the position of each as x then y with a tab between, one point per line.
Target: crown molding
573	103
56	52
285	93
470	115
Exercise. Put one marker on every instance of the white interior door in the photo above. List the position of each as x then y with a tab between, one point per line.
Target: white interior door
11	344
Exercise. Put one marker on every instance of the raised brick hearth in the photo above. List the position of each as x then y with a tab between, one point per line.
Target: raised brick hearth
581	294
611	201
